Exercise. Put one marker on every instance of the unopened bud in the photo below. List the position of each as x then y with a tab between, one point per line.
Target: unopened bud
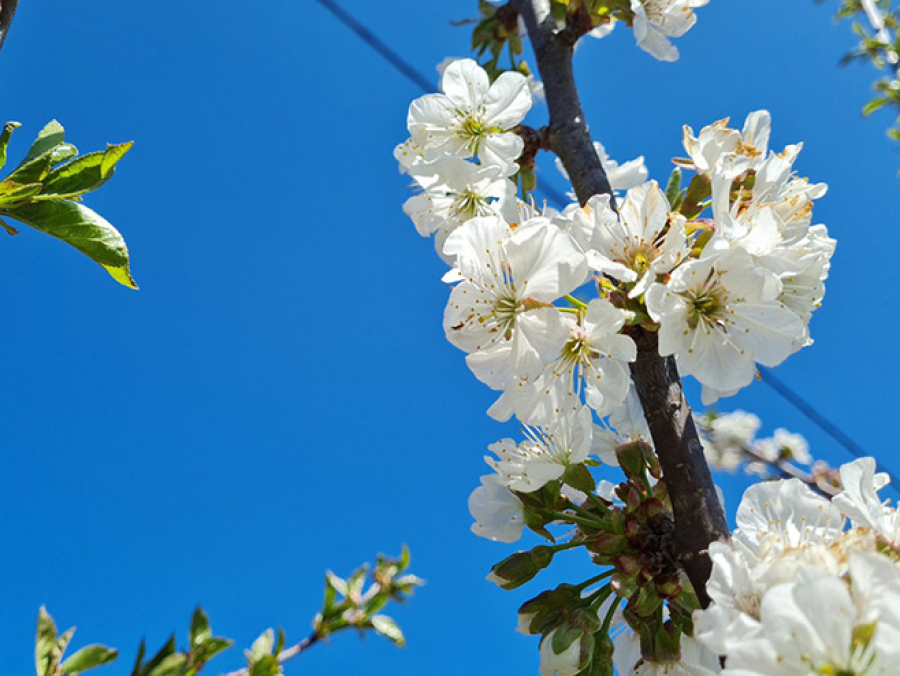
516	570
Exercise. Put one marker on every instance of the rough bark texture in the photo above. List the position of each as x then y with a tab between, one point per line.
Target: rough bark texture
699	518
7	13
567	133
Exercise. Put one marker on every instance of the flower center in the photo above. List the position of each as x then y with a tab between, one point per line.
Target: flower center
706	304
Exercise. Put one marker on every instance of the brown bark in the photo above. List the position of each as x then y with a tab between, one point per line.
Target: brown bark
699	518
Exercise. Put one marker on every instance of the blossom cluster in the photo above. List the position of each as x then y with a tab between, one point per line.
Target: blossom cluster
807	585
729	441
726	272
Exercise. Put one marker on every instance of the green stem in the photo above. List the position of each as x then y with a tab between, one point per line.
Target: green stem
573	518
566	545
575	302
595	579
607	621
597	500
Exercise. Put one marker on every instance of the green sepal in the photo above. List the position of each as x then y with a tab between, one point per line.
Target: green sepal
580	478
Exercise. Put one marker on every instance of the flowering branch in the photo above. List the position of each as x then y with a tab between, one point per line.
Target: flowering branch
699	518
7	14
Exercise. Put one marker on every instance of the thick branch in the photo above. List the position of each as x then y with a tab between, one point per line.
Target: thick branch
567	133
699	518
7	13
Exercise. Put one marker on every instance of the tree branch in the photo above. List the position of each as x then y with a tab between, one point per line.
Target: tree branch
567	133
7	13
699	518
284	655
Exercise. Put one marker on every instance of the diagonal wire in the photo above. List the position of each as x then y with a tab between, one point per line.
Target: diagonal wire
405	68
415	76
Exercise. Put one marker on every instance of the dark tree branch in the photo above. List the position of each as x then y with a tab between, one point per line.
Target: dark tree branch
7	13
567	133
699	518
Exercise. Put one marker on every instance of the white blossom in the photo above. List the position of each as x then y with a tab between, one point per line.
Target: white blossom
818	624
473	117
726	437
545	454
719	315
859	500
501	312
566	663
784	445
454	190
592	362
719	148
642	241
498	513
655	21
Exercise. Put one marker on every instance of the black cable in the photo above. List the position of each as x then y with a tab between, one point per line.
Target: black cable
417	78
406	69
398	62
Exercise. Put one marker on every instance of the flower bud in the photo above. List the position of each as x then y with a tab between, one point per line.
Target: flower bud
516	570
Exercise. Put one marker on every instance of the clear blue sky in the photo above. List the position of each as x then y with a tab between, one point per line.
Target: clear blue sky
278	398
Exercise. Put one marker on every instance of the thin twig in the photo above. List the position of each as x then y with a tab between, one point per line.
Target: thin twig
284	655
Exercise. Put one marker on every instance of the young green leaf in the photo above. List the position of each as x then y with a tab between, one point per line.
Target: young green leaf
83	174
8	130
82	228
88	658
200	630
49	137
45	642
385	626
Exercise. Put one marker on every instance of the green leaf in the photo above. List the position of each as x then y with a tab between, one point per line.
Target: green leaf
8	130
34	171
673	187
45	641
580	478
874	105
211	647
263	645
165	651
88	658
405	557
267	665
171	665
49	137
82	229
200	631
83	174
10	193
385	626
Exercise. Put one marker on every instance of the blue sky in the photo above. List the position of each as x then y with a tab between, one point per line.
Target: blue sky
278	398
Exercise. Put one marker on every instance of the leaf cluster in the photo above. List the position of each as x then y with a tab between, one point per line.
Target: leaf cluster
45	191
352	603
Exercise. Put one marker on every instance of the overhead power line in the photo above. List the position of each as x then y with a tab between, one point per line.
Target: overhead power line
415	76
